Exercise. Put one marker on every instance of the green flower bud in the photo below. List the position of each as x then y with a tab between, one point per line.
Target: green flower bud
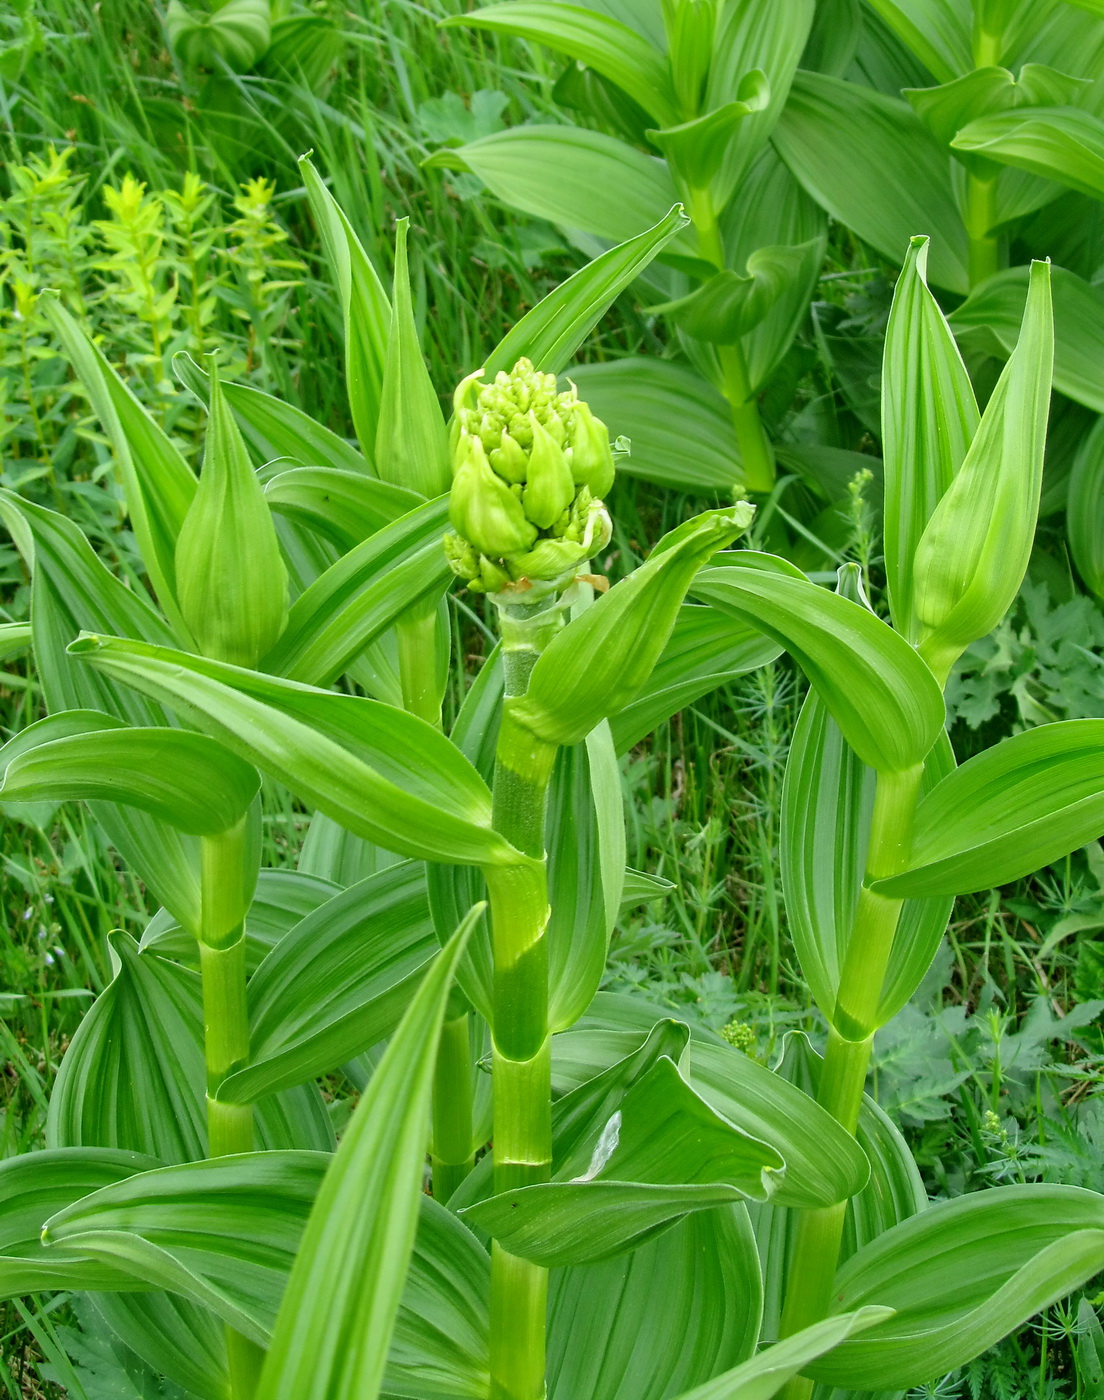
462	558
591	455
549	489
509	458
482	508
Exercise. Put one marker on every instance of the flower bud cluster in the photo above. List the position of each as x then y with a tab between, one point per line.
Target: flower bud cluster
530	467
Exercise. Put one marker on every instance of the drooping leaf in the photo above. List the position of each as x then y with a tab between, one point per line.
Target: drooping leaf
696	149
729	305
881	694
338	1311
554	329
1008	811
335	984
379	771
961	1275
591	37
1057	143
870	163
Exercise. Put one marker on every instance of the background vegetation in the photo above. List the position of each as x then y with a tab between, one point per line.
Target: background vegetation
170	213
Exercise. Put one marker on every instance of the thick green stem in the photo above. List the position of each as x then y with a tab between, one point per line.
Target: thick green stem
522	1045
226	1036
453	1156
812	1270
981	213
756	451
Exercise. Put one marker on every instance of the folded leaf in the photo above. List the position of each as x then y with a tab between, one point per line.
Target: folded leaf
934	30
961	1275
345	507
554	329
592	38
880	693
14	638
1008	811
378	771
338	1311
184	779
696	149
1058	143
728	306
602	659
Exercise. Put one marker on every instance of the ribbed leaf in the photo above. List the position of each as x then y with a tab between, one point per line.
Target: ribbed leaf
696	149
880	693
361	596
14	638
381	772
936	31
729	305
961	1275
1008	811
929	418
157	482
345	507
336	984
185	780
338	1312
1058	143
1085	510
364	302
602	659
176	1338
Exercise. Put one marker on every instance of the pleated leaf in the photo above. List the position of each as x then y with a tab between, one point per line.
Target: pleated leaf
175	1337
133	1076
1058	143
929	417
962	1275
337	983
1008	811
382	773
338	1311
1085	510
344	507
881	694
934	30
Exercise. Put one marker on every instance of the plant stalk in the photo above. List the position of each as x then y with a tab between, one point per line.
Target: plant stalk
453	1156
756	452
981	213
819	1233
522	1044
226	1038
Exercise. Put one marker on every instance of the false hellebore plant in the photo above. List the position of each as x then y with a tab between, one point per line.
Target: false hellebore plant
654	1205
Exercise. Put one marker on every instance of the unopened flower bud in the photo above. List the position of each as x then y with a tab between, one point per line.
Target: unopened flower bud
483	509
509	458
591	456
549	488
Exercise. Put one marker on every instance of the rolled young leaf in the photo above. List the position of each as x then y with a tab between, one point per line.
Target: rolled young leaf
338	1311
1008	811
230	575
382	773
972	556
929	418
411	440
602	659
185	779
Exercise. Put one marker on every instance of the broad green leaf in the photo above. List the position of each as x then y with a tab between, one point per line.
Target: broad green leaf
274	429
176	1338
1018	806
768	1371
880	693
729	305
1058	143
554	329
704	651
595	39
961	1275
331	853
157	482
602	659
674	1313
71	589
985	92
1085	510
32	1188
937	32
186	780
578	178
345	507
133	1076
929	418
335	984
411	443
823	1164
338	1311
221	1232
366	309
870	163
679	425
362	595
231	581
994	313
972	556
384	774
663	1154
696	149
